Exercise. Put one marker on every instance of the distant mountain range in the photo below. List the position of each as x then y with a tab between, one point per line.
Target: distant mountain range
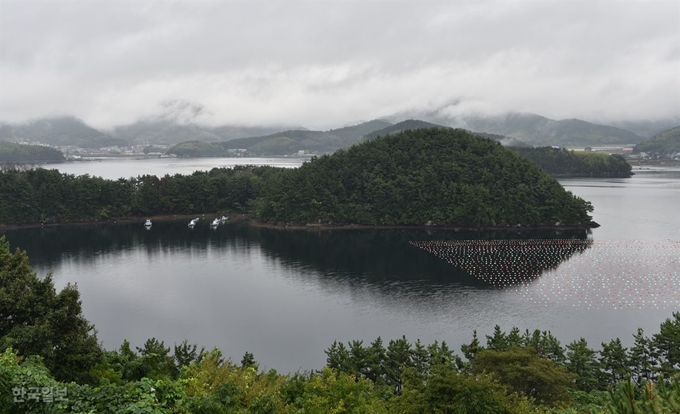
525	128
649	128
62	131
168	132
537	130
664	144
318	142
399	127
65	131
286	142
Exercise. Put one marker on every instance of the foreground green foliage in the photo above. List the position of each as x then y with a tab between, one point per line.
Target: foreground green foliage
36	320
514	372
11	152
565	163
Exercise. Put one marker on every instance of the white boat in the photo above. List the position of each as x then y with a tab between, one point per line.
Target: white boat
215	223
193	222
223	219
147	223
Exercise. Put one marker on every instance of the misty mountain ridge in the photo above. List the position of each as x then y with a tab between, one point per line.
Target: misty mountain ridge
411	124
288	142
535	129
162	129
648	128
406	125
59	131
664	144
179	122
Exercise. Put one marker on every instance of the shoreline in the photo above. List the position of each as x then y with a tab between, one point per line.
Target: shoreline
241	217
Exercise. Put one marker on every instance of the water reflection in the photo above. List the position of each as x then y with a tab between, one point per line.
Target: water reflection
505	263
374	255
369	256
286	295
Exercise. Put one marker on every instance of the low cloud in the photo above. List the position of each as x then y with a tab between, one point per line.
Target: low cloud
325	63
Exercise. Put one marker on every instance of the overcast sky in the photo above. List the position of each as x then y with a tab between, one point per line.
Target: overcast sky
325	64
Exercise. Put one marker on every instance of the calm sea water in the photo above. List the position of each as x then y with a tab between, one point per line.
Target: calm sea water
287	295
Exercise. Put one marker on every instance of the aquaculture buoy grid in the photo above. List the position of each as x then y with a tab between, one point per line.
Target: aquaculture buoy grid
613	274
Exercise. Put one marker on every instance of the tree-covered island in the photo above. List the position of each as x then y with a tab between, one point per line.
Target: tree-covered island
560	162
426	177
441	177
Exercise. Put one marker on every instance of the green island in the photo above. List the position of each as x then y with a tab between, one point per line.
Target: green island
11	152
425	177
441	177
560	162
47	344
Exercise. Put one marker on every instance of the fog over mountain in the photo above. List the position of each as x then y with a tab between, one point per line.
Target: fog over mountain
328	63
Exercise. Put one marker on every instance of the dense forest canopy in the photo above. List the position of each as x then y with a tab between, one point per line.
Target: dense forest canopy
562	162
48	196
418	177
19	153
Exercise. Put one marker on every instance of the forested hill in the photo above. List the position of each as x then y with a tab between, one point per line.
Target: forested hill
666	143
421	177
563	163
19	153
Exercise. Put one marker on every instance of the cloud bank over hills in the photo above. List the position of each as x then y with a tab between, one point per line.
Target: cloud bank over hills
327	63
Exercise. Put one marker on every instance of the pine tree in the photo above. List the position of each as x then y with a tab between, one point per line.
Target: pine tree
642	359
614	362
582	361
36	320
666	344
498	341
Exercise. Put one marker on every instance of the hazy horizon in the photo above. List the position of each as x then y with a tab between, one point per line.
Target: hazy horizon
327	64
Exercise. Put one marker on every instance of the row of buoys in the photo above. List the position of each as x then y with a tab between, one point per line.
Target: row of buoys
505	263
604	274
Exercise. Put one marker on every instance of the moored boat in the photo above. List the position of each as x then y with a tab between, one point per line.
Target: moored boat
147	223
